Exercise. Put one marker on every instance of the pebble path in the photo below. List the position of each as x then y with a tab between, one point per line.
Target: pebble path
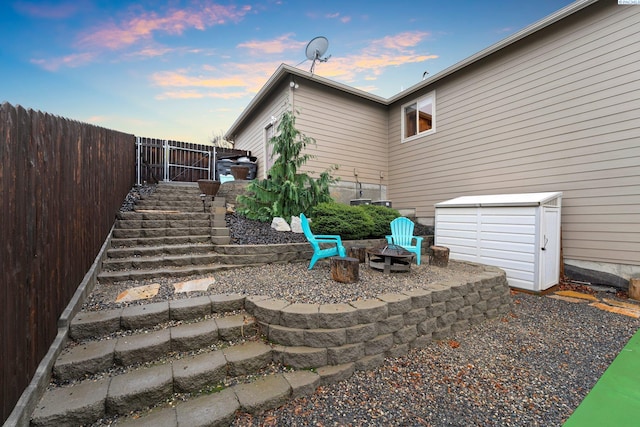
532	367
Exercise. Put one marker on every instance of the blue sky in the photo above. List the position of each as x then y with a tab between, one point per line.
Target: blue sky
185	70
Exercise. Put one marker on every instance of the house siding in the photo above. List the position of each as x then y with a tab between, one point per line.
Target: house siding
252	137
556	111
349	132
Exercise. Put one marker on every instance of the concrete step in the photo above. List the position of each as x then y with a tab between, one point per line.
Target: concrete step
129	395
87	358
171	233
159	241
91	324
221	240
173	195
107	277
219	409
156	250
158	215
194	202
135	390
174	208
128	233
129	224
170	259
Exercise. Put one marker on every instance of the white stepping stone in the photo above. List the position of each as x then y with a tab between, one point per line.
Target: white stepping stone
140	292
194	285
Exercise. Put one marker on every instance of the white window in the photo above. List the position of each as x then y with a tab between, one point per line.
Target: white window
419	117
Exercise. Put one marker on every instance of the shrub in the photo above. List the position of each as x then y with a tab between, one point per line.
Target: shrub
286	192
382	217
352	222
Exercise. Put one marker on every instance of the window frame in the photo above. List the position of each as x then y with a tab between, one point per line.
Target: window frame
416	102
269	132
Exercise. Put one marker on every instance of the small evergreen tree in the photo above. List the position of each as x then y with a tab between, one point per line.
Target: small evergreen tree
286	192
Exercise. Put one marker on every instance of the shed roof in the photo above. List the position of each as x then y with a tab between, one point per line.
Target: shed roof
522	199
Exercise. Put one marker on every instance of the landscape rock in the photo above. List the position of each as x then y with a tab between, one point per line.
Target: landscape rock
296	224
279	224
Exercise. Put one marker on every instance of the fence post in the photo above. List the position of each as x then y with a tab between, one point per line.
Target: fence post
166	160
209	164
138	161
215	161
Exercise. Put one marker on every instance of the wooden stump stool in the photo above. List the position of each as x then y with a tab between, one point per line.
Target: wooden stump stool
345	270
634	288
439	256
358	252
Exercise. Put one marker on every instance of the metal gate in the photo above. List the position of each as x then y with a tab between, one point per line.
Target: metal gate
164	160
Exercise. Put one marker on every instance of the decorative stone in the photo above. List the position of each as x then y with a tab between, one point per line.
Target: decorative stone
140	292
296	225
195	285
279	224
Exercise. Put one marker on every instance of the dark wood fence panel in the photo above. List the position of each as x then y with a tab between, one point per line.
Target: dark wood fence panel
185	161
61	184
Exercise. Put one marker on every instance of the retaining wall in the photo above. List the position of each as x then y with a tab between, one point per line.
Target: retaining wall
365	332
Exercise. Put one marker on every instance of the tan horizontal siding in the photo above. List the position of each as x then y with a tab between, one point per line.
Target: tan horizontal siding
557	111
252	137
349	132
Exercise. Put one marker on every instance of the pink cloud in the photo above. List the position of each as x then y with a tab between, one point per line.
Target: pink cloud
338	16
200	95
48	10
229	81
401	41
182	79
371	61
71	61
118	35
278	45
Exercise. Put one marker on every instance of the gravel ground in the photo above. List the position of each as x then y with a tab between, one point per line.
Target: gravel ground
530	368
292	282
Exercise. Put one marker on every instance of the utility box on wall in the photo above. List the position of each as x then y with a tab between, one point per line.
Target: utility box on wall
519	233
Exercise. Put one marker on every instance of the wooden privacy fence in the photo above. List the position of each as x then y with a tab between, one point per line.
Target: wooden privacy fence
61	184
165	160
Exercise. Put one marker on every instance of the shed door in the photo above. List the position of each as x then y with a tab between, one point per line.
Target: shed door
550	247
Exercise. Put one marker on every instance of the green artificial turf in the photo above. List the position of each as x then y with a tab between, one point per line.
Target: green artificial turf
615	399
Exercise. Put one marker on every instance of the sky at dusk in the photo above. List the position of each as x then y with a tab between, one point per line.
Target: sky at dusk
185	70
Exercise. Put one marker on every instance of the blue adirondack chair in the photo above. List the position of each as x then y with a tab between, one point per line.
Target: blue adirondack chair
402	235
335	242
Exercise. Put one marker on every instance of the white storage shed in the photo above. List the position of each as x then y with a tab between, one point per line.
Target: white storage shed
519	233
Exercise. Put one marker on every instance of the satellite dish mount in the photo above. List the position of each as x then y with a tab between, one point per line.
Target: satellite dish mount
315	49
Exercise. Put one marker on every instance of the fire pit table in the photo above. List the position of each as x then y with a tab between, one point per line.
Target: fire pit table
389	258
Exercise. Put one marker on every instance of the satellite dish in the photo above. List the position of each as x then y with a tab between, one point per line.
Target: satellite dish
315	49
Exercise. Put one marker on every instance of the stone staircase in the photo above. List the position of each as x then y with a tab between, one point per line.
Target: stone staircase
173	233
202	360
194	361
